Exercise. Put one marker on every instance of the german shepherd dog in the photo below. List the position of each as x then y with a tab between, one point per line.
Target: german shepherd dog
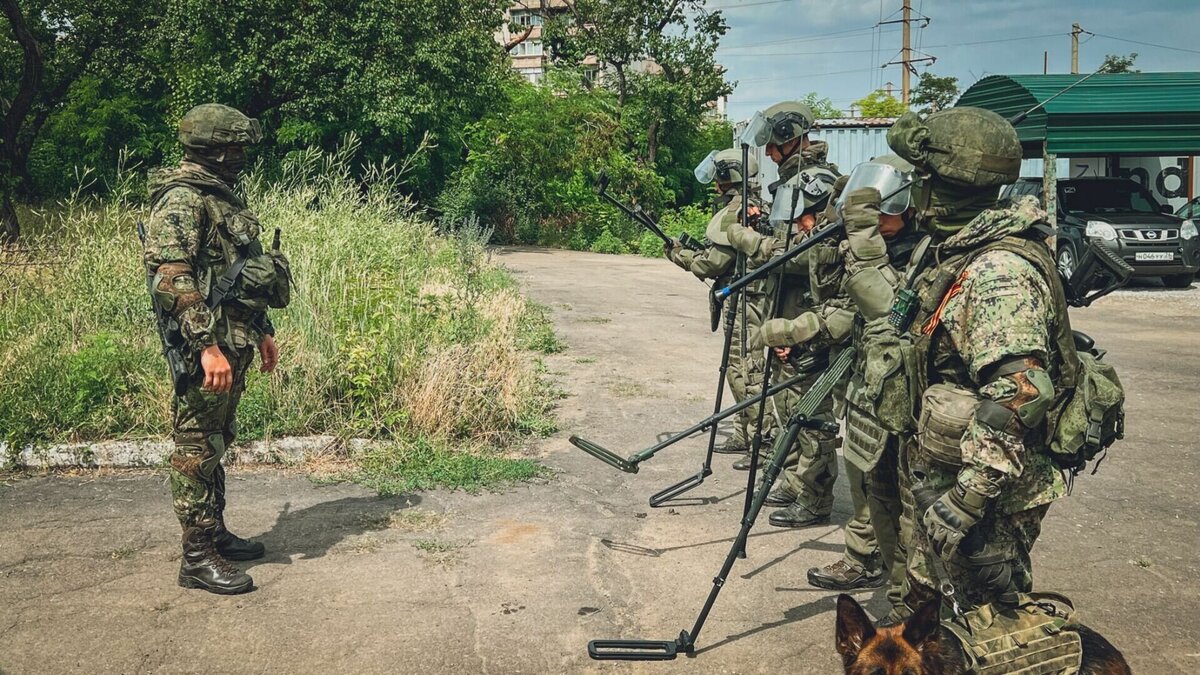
920	646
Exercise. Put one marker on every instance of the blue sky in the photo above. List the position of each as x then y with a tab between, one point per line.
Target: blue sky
781	49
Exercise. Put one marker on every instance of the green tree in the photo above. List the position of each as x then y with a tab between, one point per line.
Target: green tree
935	93
389	71
822	107
663	68
62	45
1119	63
879	103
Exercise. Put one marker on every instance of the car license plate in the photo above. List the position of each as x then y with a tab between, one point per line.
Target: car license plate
1154	256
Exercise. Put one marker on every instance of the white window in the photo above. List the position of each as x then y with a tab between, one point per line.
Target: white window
526	17
528	48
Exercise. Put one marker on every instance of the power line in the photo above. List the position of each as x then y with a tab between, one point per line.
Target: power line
749	4
1147	44
803	76
874	51
836	35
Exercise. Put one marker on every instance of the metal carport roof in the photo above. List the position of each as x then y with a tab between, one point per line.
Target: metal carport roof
1110	113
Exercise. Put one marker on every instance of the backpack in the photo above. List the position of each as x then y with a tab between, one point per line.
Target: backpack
1088	414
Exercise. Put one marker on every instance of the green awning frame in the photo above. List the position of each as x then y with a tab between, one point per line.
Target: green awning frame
1154	114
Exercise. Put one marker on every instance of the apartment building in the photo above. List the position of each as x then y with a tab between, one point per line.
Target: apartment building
529	54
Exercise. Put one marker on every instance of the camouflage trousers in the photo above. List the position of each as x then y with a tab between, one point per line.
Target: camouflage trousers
889	502
746	369
811	467
862	546
1003	536
204	427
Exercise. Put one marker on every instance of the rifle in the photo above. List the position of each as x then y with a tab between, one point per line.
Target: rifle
637	215
174	347
665	650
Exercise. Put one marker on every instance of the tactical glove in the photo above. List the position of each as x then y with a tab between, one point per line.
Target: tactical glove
788	332
861	217
948	520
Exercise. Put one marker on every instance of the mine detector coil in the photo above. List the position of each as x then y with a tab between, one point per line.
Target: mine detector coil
665	650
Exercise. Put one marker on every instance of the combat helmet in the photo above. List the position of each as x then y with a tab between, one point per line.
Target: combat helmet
725	166
212	125
809	190
789	120
968	147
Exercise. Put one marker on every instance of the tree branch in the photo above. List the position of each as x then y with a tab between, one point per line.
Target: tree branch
31	79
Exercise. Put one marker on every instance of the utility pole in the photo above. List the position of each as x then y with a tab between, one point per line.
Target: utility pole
906	52
906	60
1075	32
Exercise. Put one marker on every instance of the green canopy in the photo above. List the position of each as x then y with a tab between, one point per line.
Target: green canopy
1121	113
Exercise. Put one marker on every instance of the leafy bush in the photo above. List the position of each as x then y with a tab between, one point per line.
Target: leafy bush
396	330
690	219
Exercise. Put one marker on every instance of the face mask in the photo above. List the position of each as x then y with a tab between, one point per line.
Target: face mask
943	209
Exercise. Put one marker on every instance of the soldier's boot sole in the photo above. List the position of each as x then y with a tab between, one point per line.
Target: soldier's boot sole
797	524
862	582
191	582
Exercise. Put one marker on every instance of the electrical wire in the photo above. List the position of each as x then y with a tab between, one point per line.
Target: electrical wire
803	76
819	37
748	4
1146	44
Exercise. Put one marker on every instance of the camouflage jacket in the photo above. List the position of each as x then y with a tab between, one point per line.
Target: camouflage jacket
196	229
1000	306
718	258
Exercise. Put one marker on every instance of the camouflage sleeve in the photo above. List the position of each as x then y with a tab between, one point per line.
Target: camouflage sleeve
1003	310
713	262
758	247
681	256
173	238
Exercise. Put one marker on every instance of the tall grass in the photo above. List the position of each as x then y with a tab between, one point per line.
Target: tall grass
399	328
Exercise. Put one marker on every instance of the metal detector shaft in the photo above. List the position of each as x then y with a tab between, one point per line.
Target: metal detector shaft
814	238
630	464
636	215
663	650
818	236
706	469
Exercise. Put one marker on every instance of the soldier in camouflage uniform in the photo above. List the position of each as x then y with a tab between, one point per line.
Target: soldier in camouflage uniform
878	243
202	243
806	490
984	342
718	261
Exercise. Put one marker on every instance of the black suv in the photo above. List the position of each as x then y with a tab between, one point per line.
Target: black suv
1125	217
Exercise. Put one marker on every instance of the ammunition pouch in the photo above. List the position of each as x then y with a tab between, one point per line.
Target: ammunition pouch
1090	418
1032	637
265	281
946	411
865	438
889	368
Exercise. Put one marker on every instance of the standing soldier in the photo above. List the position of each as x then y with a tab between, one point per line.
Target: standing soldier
718	262
207	271
988	331
879	242
807	487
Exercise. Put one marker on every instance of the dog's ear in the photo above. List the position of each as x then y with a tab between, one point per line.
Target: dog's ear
854	628
923	625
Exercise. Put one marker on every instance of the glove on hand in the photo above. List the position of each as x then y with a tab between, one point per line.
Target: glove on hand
948	520
788	332
861	217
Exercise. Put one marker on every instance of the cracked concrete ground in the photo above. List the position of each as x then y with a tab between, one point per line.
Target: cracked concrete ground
518	581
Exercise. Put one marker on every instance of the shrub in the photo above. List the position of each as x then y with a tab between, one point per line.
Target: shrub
396	330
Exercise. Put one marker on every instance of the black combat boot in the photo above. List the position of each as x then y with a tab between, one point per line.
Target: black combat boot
796	515
841	576
734	445
779	497
233	547
203	567
229	545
